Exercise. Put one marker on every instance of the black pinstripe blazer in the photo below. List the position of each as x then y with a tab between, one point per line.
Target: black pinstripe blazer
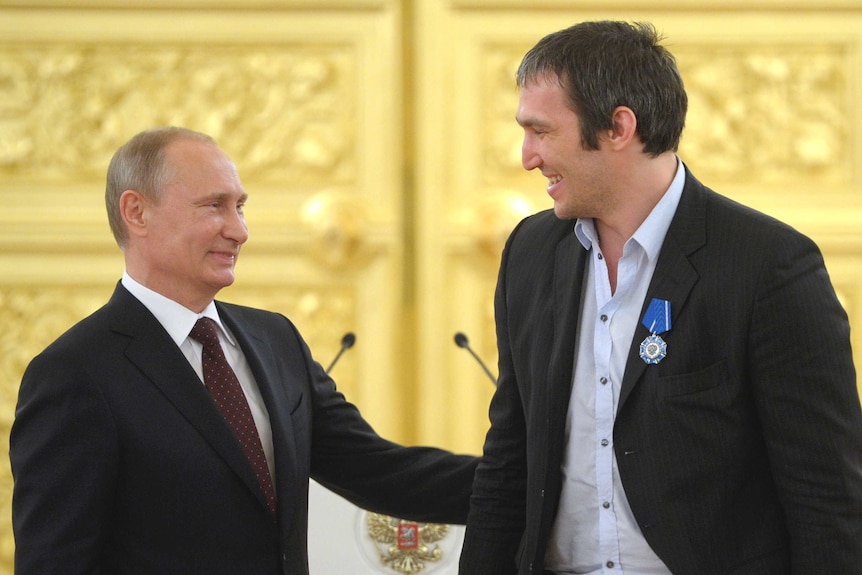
740	452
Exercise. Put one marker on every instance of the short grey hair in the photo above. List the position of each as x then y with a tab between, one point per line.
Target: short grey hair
141	165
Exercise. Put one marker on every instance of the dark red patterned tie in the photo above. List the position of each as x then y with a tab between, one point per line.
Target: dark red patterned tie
224	387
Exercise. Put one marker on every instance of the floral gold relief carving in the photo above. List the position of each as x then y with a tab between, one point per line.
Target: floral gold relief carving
283	112
338	226
767	113
502	139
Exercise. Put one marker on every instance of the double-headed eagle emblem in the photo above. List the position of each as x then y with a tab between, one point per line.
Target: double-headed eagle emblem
405	546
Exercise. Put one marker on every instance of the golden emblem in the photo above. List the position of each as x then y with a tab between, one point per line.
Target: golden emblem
404	545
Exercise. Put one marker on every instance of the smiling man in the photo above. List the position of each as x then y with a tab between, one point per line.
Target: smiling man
184	239
173	434
676	388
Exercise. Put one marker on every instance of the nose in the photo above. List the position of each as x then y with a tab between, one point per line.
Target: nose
530	158
235	227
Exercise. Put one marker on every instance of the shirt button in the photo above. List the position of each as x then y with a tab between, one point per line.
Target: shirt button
600	256
610	564
604	317
603	380
606	505
604	442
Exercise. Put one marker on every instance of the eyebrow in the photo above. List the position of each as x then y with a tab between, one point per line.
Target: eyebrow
221	196
531	122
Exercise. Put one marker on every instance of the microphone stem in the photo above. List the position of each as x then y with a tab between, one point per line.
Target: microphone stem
331	365
482	363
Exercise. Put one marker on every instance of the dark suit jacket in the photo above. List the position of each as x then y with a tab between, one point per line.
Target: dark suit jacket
741	452
124	465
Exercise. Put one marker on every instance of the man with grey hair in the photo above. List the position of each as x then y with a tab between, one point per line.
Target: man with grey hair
676	386
172	434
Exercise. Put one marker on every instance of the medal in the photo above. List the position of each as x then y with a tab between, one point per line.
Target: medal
653	349
657	320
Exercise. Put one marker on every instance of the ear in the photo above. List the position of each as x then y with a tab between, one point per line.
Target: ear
624	130
133	209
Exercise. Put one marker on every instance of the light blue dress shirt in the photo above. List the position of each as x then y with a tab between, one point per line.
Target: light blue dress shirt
595	531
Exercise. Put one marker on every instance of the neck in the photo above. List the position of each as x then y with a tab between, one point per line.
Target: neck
641	187
644	184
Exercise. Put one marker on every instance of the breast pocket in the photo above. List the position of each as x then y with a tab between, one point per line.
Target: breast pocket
693	382
295	402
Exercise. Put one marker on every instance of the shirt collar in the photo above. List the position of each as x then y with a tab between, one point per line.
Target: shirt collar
177	319
650	235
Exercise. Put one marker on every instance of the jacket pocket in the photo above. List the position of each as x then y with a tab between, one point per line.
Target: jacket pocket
694	382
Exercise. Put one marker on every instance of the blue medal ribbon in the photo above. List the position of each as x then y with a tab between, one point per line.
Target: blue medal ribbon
657	316
657	320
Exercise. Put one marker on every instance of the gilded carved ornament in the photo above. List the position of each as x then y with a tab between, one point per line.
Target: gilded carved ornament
283	112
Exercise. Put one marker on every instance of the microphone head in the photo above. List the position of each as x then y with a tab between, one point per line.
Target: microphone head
348	340
461	340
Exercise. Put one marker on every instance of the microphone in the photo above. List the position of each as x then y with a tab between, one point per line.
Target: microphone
462	341
346	343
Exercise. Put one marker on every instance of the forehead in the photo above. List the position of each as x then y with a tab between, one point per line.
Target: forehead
190	153
540	99
201	162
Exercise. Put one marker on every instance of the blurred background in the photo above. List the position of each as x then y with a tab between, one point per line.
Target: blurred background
377	142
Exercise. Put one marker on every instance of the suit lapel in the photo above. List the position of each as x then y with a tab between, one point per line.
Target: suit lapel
569	264
264	365
674	276
153	352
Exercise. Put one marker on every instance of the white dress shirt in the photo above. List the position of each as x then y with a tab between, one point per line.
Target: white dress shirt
178	321
595	531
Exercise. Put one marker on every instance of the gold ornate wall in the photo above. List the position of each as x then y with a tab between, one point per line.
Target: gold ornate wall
377	142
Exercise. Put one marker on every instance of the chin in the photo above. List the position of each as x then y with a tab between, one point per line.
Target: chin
563	214
223	281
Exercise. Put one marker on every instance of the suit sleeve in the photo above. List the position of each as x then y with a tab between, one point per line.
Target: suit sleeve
351	459
62	430
498	504
804	385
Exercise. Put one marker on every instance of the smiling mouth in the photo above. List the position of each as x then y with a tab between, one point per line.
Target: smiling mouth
227	255
553	180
